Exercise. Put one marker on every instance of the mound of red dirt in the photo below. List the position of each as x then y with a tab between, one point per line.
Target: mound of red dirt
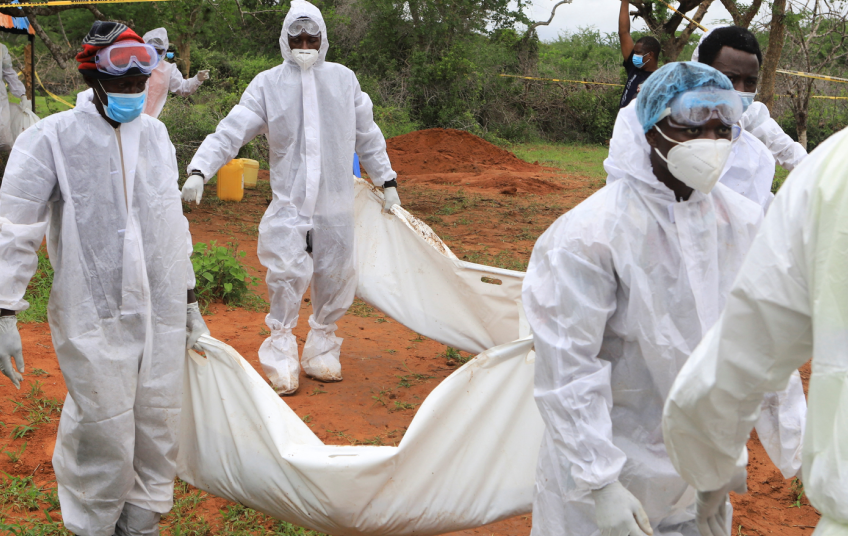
439	150
455	158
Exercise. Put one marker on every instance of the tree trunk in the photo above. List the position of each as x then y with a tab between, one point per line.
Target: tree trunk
777	35
800	105
184	49
29	83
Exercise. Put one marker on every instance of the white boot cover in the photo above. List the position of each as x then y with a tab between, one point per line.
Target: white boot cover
137	521
278	355
321	352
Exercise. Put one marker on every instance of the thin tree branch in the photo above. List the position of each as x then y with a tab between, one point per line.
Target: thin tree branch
535	25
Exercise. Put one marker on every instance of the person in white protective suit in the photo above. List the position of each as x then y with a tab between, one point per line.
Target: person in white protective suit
315	116
735	52
100	182
787	304
618	293
749	170
17	89
166	77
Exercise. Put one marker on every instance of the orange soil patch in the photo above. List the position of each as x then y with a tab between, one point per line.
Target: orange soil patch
381	358
442	157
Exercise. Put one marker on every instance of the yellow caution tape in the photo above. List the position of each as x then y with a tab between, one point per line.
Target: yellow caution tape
55	97
815	76
818	97
558	80
48	3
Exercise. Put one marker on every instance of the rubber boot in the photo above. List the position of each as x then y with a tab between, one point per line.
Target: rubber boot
278	355
137	521
321	352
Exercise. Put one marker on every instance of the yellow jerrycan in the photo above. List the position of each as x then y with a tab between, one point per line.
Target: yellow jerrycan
231	181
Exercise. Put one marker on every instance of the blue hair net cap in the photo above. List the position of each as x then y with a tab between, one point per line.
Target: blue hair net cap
671	80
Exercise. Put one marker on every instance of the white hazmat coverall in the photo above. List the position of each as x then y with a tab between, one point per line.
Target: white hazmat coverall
314	121
758	121
17	89
165	78
749	170
618	293
789	302
117	308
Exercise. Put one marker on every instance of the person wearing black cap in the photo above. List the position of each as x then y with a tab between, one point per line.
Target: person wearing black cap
101	182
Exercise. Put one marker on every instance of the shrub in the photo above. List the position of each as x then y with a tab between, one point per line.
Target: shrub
222	276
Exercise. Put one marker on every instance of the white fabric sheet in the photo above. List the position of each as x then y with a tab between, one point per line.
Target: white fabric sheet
452	470
401	261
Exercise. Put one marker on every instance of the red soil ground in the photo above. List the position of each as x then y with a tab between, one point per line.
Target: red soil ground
442	158
379	356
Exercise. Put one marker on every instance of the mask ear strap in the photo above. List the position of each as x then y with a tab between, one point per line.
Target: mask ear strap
99	83
666	137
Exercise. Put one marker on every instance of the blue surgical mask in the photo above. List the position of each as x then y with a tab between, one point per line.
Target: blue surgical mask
747	99
124	107
638	60
169	55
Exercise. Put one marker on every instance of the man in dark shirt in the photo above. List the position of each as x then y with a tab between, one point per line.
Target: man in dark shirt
640	58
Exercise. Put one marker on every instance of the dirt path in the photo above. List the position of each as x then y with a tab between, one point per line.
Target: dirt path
489	207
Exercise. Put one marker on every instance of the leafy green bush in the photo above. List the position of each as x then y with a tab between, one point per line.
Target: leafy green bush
38	291
826	118
222	276
394	121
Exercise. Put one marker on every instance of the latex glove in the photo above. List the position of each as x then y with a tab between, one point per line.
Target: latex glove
203	76
195	326
10	346
392	199
619	513
193	189
26	104
711	506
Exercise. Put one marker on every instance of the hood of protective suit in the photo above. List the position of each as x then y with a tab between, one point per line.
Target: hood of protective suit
301	8
629	152
160	35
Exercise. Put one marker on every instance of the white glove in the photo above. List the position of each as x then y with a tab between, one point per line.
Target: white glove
392	199
203	76
195	326
193	189
711	506
26	104
619	513
10	346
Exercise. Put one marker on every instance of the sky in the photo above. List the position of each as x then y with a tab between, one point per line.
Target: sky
602	14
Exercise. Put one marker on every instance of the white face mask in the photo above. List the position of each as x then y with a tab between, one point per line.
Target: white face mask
306	58
697	163
747	99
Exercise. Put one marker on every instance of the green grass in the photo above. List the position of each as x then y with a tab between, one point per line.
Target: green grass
45	106
585	160
780	175
38	291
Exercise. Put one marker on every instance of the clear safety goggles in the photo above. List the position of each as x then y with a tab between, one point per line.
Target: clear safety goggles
304	25
697	106
119	58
